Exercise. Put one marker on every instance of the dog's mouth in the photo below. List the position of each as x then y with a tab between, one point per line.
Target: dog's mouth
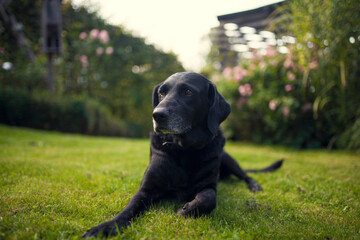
166	131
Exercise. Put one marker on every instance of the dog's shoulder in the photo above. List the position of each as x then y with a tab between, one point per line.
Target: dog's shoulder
215	147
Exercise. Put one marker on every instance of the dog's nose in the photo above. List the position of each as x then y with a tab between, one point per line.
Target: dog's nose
160	115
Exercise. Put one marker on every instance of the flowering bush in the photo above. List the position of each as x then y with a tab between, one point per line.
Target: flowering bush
93	44
308	97
270	102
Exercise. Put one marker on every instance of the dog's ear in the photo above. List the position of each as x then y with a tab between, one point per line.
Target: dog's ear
155	99
219	109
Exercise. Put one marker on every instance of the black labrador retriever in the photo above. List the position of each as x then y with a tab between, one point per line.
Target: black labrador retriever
187	156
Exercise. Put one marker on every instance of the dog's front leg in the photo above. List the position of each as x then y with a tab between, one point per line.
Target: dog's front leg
138	204
204	203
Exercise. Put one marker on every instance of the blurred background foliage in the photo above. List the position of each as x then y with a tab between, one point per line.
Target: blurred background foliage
307	98
100	63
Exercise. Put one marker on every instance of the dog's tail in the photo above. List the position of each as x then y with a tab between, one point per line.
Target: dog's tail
276	165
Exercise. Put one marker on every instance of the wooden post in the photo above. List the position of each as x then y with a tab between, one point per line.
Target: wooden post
51	35
50	73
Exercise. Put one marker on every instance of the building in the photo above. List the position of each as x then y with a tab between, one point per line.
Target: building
241	34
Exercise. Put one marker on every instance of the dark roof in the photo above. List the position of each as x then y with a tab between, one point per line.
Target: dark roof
256	18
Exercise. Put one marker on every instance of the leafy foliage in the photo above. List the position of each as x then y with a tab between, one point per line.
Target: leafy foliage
100	61
308	97
66	114
269	111
332	29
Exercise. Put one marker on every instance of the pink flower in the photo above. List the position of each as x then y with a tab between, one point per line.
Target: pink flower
104	36
273	105
84	61
82	35
99	51
241	102
227	73
216	78
239	73
313	65
289	87
288	63
109	50
256	56
273	63
94	34
242	90
307	107
286	111
245	90
262	65
252	66
290	76
271	52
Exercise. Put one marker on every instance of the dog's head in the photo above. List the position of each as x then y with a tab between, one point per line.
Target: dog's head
188	101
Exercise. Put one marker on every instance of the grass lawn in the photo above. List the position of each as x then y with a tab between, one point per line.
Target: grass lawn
55	186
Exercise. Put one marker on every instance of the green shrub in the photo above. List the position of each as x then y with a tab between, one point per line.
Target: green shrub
351	137
307	98
268	102
66	114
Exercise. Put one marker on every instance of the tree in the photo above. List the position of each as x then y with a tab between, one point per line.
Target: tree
99	61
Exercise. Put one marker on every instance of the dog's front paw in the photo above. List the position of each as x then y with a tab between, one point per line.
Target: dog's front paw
184	211
254	186
189	210
105	229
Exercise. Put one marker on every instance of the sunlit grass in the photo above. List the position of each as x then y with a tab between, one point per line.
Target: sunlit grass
55	186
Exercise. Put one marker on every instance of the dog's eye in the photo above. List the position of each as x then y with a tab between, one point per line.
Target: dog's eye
188	92
161	95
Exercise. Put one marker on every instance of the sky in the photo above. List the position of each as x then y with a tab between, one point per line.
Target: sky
177	26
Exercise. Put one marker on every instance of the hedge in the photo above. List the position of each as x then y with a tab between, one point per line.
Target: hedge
61	113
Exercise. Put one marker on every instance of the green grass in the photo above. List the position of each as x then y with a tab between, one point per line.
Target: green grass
55	186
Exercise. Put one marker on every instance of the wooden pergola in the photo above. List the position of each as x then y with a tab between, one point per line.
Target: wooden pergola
241	33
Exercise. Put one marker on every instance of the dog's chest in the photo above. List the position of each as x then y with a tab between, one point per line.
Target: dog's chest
192	172
184	171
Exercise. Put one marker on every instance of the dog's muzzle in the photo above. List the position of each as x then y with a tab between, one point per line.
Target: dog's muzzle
168	123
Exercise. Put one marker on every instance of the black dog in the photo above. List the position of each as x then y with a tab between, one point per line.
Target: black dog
187	155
